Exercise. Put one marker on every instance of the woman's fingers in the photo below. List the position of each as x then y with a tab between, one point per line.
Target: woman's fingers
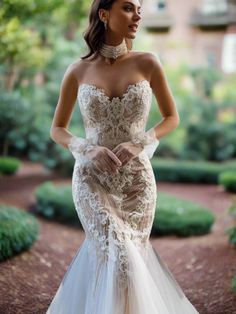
123	154
97	166
114	158
117	151
110	161
105	163
109	164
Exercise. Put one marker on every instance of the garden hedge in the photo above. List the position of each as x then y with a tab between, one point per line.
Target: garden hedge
18	231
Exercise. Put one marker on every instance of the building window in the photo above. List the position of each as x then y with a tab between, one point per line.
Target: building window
161	5
228	59
214	6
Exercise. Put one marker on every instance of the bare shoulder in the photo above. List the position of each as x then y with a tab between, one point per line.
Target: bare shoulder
144	55
156	73
77	69
151	60
148	63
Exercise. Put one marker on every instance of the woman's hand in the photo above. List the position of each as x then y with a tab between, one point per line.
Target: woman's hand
126	151
103	159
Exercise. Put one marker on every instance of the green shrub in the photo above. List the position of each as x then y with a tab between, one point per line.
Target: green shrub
55	202
14	116
185	170
25	127
209	122
228	180
232	208
9	165
180	217
213	141
229	165
18	231
232	235
234	284
189	171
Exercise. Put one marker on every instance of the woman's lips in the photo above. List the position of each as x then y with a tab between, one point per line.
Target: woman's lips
133	28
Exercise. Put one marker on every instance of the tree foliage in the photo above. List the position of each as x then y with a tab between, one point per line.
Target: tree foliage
25	28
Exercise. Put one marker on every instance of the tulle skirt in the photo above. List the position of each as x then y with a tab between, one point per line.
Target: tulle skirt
116	270
150	286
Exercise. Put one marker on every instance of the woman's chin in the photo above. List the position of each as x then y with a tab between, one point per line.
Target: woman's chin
131	35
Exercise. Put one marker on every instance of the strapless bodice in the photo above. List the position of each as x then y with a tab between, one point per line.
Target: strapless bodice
108	122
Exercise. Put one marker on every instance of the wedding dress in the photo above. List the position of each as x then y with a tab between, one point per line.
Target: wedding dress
116	270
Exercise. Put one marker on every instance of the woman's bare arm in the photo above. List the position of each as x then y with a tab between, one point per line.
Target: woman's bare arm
65	106
164	97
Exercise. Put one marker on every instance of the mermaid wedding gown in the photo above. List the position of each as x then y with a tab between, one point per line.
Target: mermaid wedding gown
116	270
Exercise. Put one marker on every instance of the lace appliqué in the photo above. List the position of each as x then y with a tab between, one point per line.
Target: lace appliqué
117	120
114	207
101	228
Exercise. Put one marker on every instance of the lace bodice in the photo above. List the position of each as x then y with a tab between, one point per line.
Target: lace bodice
109	122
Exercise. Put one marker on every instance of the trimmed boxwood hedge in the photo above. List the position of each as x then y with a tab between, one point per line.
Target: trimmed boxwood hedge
232	235
55	202
18	231
9	165
171	170
228	180
233	284
173	215
180	217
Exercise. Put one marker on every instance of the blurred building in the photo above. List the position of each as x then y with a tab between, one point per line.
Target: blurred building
196	31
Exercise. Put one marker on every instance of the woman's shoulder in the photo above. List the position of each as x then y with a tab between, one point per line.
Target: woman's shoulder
77	68
144	56
147	61
78	64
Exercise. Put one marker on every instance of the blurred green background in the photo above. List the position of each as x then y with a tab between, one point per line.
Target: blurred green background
38	40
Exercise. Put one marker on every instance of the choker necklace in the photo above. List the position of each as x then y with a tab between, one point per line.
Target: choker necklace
113	51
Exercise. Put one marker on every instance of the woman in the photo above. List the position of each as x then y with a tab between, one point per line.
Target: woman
116	270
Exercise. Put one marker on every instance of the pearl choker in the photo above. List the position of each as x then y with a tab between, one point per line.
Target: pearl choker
113	51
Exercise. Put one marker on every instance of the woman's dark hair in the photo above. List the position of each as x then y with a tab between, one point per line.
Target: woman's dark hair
94	35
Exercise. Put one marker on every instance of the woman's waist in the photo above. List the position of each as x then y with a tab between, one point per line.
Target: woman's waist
109	140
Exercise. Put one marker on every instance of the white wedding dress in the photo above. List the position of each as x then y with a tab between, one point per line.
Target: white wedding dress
116	270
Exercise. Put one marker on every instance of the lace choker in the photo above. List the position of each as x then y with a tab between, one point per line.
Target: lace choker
114	52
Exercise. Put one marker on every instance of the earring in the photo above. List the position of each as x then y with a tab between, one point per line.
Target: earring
105	24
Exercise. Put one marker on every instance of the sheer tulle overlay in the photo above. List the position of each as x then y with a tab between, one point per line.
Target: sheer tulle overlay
116	270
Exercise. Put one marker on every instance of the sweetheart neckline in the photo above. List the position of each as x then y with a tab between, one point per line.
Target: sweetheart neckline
110	99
